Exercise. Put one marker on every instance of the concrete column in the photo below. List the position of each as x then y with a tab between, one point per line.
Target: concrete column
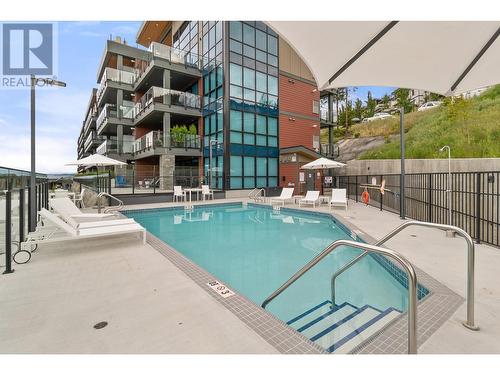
166	85
166	129
119	138
166	170
119	62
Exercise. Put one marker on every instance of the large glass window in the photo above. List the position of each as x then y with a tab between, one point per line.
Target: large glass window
254	104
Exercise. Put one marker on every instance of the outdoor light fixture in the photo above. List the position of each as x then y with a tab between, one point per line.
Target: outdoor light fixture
36	82
448	189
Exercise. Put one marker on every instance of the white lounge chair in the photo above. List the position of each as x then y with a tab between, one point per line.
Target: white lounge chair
339	198
79	198
179	194
68	210
62	231
312	197
286	195
206	192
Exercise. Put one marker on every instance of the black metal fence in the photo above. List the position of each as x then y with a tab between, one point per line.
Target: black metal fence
475	199
15	206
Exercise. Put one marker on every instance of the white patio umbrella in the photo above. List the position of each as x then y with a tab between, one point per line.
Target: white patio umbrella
96	160
323	163
445	57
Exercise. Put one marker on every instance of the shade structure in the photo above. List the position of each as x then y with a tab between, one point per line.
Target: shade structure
323	163
96	160
445	57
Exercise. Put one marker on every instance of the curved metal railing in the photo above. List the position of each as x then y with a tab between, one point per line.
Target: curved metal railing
470	263
257	193
410	271
111	208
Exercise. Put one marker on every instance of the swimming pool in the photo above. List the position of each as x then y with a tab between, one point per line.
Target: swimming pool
254	250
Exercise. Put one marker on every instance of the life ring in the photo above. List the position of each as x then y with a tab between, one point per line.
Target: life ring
365	197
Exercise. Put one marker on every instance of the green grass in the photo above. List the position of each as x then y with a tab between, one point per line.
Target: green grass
470	127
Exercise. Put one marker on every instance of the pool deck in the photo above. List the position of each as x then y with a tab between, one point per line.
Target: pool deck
51	304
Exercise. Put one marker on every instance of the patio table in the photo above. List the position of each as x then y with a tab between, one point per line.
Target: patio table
196	190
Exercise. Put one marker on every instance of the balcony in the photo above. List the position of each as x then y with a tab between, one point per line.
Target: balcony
158	143
116	78
329	150
109	115
112	146
167	100
89	122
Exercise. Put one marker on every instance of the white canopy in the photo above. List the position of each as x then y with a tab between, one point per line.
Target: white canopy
323	163
96	160
441	57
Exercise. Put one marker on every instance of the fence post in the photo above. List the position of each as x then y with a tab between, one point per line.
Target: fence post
8	233
21	216
355	188
478	207
429	192
109	182
30	223
133	179
154	179
47	195
381	195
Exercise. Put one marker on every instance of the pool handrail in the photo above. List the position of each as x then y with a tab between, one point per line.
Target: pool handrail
470	263
410	271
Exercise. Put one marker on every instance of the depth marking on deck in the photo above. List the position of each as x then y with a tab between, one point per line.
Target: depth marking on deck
220	289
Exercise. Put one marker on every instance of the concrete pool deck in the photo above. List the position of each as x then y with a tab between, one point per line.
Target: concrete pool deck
51	304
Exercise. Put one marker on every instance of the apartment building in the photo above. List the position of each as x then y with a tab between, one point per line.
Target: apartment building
227	103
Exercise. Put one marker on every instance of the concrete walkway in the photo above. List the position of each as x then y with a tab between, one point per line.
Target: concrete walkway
51	304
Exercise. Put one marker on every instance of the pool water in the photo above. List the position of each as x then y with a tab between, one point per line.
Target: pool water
254	250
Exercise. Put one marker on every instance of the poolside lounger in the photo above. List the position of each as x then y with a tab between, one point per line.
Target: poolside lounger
68	210
84	230
286	195
339	198
312	197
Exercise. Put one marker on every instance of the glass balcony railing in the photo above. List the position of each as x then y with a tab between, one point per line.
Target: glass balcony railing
112	146
167	96
109	111
328	149
157	139
115	75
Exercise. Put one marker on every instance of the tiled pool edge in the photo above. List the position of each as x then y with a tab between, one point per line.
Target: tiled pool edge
277	333
437	307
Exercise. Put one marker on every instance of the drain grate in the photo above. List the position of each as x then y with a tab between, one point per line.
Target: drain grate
100	325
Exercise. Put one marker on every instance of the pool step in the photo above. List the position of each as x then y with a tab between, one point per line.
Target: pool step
342	328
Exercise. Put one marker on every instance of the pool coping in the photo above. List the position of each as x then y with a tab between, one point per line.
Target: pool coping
432	311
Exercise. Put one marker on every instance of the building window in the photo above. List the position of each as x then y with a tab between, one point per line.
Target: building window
316	107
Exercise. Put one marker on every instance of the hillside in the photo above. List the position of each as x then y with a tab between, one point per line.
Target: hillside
470	127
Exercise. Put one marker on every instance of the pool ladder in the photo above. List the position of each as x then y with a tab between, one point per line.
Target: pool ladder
257	194
407	266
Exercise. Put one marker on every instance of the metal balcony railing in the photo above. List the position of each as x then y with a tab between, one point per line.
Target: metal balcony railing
167	96
156	139
112	146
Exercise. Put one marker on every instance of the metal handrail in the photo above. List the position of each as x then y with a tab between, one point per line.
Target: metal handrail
470	263
254	193
251	194
410	271
111	208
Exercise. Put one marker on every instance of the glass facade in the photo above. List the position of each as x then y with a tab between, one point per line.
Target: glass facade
213	93
253	98
186	38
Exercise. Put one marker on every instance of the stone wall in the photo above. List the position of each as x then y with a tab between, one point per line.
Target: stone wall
381	167
167	167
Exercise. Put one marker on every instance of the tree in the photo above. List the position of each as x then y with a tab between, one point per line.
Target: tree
403	99
358	108
370	105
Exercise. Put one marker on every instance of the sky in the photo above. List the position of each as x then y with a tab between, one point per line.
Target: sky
60	111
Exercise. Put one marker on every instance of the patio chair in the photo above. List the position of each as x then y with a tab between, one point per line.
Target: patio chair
339	198
68	210
205	191
312	197
79	198
179	194
286	195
